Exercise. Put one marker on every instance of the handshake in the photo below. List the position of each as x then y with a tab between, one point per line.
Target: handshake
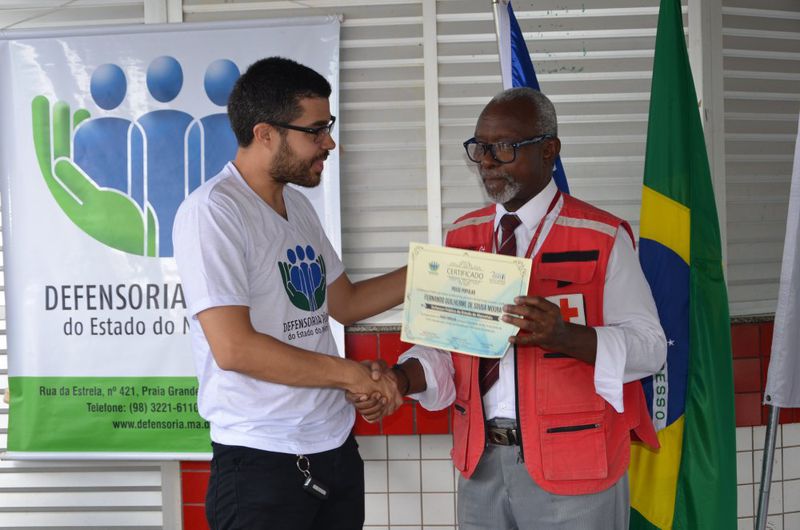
383	394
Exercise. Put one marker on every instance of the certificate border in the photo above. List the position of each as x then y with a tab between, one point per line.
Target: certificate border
523	265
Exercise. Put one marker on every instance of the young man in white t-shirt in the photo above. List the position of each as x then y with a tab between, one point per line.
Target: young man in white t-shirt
260	279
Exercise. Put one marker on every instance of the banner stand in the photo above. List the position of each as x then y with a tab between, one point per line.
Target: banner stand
766	467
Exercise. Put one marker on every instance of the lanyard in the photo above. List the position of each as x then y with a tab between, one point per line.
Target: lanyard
538	231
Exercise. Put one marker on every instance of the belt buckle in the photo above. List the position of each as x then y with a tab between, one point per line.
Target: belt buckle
502	436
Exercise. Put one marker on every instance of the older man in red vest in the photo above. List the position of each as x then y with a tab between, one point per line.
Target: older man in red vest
542	437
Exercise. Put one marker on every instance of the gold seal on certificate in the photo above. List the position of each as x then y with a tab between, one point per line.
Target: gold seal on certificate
454	298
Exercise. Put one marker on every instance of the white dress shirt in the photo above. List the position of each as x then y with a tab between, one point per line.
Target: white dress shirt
630	345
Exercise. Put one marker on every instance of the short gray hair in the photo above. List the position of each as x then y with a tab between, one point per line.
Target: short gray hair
547	123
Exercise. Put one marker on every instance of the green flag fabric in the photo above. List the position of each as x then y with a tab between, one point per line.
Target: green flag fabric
690	482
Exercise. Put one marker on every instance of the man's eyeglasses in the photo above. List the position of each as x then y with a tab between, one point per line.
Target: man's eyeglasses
318	132
502	152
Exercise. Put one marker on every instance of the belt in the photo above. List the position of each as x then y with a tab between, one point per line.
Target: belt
502	435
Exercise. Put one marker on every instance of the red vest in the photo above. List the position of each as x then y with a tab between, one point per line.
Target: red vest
573	441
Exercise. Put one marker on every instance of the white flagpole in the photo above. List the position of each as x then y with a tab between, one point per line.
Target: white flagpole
503	32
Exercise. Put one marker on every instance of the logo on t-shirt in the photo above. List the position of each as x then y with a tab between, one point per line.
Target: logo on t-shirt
304	278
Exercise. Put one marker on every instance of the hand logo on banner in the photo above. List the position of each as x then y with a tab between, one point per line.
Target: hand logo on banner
119	180
106	215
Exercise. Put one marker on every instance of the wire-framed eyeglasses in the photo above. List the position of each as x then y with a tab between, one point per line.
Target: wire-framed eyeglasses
502	152
318	132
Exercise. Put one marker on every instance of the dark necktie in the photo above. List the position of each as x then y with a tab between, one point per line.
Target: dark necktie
489	369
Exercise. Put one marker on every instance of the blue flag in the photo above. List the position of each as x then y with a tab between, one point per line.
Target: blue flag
517	68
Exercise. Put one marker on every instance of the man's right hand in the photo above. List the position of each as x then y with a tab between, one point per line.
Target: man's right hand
378	395
375	406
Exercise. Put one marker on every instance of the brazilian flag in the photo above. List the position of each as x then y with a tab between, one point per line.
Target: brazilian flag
690	482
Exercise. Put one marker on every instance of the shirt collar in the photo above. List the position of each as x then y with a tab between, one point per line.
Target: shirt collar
532	212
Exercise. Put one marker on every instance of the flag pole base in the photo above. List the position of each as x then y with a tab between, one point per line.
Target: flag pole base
766	467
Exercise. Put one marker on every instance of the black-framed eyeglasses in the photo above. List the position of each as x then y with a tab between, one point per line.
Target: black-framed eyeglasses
318	132
502	152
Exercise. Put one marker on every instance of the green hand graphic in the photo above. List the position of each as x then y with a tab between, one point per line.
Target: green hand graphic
297	298
321	291
107	215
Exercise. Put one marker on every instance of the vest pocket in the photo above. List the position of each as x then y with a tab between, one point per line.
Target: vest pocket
565	385
460	434
573	428
566	272
574	448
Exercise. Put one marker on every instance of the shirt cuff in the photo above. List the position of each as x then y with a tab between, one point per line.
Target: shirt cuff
609	366
437	381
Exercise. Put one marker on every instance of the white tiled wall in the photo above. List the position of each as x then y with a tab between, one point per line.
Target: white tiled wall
411	483
784	495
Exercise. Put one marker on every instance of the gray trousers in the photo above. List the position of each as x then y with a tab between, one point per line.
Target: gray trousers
501	495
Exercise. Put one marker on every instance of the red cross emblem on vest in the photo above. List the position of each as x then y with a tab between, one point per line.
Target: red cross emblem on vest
572	308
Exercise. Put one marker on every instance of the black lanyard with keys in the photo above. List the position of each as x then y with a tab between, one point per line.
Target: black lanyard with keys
310	484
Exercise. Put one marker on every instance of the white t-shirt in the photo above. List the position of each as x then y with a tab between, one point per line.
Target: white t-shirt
232	248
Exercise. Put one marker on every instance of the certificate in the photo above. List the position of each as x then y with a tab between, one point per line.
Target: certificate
454	298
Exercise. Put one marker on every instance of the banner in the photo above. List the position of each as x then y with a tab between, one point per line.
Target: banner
783	378
104	133
690	482
516	67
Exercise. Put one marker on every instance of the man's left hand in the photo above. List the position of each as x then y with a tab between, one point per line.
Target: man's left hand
539	319
542	325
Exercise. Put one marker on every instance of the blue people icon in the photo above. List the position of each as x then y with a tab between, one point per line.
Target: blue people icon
219	142
100	145
160	149
304	277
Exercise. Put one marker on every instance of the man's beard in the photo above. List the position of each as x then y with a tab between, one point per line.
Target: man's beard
508	192
288	168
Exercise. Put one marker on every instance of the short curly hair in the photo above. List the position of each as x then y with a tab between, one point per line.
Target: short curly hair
547	123
270	91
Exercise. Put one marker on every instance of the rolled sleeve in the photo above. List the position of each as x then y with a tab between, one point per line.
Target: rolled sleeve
631	345
438	366
609	365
